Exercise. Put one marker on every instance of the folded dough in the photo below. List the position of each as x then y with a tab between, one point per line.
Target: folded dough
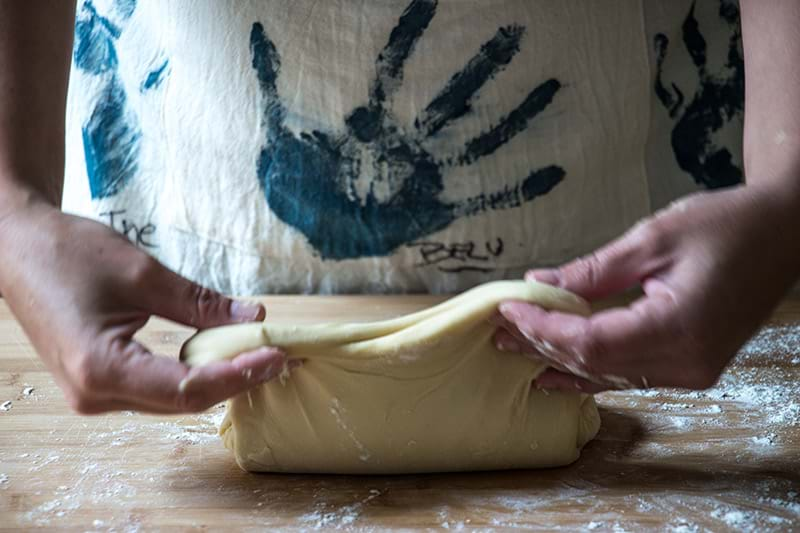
425	392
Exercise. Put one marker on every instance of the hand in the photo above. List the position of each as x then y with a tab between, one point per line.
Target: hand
81	291
333	167
712	267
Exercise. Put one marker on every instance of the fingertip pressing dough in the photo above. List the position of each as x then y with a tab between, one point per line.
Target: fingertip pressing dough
425	392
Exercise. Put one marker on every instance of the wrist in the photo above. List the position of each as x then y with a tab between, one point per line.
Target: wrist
19	206
775	214
778	201
776	177
16	198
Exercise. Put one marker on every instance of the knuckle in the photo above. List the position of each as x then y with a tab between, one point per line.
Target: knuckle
206	301
584	272
653	236
89	374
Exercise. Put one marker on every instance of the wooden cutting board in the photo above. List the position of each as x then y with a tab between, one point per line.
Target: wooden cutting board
723	459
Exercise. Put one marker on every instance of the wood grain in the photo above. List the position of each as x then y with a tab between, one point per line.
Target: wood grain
724	459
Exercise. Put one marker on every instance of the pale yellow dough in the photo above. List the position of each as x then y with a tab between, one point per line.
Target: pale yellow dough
426	392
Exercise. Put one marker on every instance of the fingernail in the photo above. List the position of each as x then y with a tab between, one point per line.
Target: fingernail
508	345
245	311
508	310
549	276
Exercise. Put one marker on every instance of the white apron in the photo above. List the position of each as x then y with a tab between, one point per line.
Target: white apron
394	145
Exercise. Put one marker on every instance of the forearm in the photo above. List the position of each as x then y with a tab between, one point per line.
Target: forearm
35	46
771	38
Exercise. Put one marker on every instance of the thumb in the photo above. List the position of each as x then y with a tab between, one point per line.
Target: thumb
617	266
176	298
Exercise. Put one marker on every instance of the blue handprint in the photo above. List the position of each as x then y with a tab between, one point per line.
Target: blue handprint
309	179
111	135
719	100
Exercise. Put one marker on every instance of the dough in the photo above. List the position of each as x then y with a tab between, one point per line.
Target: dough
426	392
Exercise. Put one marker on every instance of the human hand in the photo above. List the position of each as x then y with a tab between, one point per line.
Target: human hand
712	267
81	291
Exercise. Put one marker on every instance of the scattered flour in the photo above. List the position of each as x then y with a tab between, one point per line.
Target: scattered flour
750	416
766	440
341	518
327	516
756	397
762	397
771	340
683	527
112	482
338	412
736	519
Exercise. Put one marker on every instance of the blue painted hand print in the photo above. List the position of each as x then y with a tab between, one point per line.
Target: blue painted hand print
309	179
719	101
111	135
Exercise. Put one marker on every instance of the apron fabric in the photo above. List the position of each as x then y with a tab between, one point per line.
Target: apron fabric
394	145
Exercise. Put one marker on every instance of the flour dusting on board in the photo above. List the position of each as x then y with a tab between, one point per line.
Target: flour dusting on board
99	485
690	446
760	397
328	515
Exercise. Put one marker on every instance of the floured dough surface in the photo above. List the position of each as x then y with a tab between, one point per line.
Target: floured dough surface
425	392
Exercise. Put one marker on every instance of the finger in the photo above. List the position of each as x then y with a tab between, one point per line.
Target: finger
620	265
165	384
505	341
176	298
102	401
555	380
609	347
551	334
102	406
223	379
509	339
